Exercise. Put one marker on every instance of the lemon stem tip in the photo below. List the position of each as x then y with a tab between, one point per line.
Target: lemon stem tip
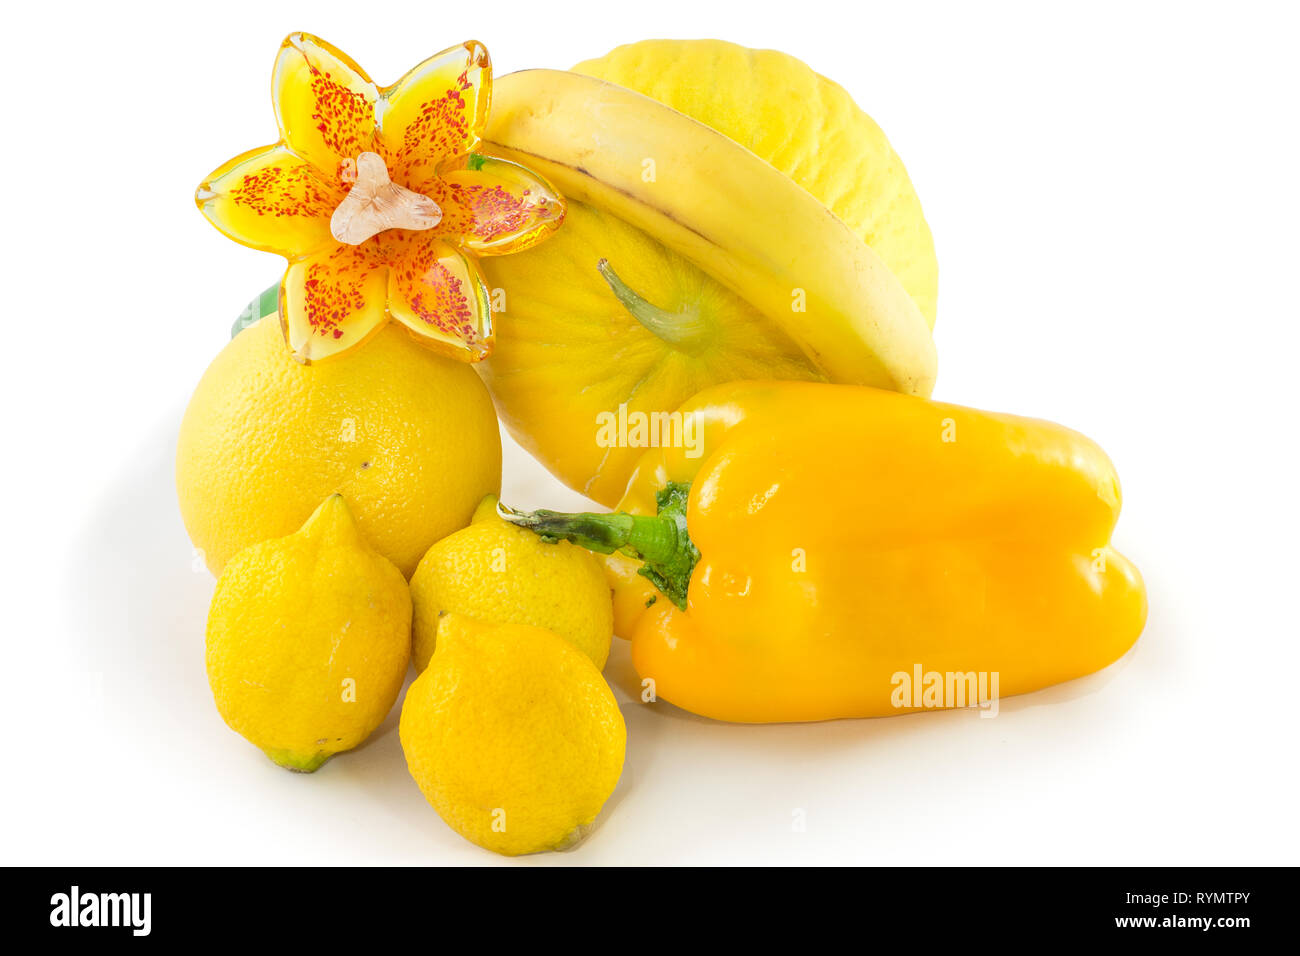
297	762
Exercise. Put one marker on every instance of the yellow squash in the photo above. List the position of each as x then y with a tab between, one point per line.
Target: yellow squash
714	233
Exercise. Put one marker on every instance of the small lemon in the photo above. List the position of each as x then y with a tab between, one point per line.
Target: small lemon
308	640
513	736
496	572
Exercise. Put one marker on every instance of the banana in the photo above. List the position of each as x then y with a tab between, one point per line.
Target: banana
727	211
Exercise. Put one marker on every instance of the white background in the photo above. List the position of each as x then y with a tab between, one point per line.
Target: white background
1113	191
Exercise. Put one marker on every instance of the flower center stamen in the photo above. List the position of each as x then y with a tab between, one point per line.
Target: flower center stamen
376	203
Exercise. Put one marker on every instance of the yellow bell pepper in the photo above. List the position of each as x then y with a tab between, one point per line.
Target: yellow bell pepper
815	547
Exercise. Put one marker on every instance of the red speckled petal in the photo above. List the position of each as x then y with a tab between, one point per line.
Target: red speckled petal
324	103
439	295
435	111
491	207
271	200
333	301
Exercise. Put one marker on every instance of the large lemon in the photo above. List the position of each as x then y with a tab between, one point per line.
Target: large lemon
408	437
568	351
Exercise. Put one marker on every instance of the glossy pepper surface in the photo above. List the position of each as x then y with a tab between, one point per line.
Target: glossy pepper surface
808	543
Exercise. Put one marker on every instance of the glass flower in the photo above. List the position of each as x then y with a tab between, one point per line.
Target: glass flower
378	200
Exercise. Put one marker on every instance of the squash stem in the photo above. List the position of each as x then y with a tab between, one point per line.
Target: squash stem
680	329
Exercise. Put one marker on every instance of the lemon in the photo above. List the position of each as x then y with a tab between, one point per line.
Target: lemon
308	640
410	438
513	736
501	574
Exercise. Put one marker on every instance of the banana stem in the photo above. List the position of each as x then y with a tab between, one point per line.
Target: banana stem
660	542
676	328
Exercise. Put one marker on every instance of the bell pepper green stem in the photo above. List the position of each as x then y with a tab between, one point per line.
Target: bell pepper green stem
681	329
661	542
652	538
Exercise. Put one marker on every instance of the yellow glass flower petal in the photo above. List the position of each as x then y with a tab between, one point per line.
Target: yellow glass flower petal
492	207
324	103
440	296
333	301
435	111
271	200
297	199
